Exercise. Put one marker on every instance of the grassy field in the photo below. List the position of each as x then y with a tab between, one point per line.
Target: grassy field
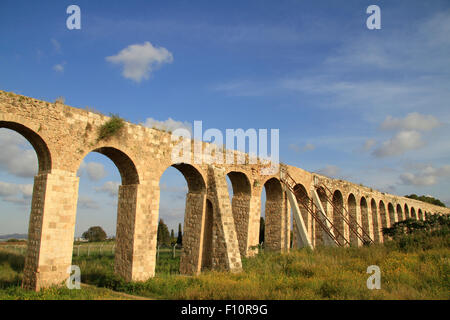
414	267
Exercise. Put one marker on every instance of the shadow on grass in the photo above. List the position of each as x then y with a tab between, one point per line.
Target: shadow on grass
14	260
13	265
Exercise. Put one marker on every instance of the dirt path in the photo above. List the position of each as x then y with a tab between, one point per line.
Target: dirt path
121	294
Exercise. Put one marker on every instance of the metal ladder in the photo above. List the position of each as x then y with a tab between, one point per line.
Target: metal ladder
354	226
304	200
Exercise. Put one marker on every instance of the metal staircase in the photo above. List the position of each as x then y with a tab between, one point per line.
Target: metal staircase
354	226
308	204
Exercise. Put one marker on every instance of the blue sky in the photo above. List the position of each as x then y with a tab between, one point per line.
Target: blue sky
369	106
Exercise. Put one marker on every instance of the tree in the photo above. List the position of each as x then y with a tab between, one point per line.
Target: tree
426	199
262	228
163	236
95	234
173	240
180	235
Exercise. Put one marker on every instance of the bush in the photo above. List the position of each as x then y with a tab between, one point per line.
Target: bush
111	127
411	226
95	234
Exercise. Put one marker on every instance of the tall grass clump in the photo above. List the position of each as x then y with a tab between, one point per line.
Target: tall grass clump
110	127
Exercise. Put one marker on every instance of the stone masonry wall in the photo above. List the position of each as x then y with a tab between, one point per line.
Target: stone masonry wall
62	136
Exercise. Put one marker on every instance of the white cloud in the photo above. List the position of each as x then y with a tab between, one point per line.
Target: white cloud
307	147
87	202
427	176
56	45
16	156
294	147
329	171
139	60
402	142
167	125
95	171
59	67
413	121
16	193
368	144
165	187
109	187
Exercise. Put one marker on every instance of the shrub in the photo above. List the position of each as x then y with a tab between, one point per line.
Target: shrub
412	226
60	100
111	127
95	234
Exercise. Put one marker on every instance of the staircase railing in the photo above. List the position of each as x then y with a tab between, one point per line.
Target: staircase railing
364	237
304	200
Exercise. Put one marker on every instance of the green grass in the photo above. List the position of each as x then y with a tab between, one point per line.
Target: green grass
11	266
414	267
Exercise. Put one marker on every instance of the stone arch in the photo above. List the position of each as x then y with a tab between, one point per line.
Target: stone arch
318	229
302	200
391	211
407	216
127	168
365	219
192	253
38	205
383	217
400	216
240	205
38	143
352	211
413	213
195	181
338	221
323	199
375	222
273	214
127	208
420	214
207	246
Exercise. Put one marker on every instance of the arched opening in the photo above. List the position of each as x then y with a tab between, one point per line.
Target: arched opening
392	218
413	213
407	216
240	205
351	201
376	227
172	204
365	220
383	217
182	202
273	210
25	157
421	216
400	213
302	200
39	145
208	237
319	233
106	208
338	221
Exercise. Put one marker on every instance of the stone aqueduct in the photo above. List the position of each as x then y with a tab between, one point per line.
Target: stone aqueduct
216	232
